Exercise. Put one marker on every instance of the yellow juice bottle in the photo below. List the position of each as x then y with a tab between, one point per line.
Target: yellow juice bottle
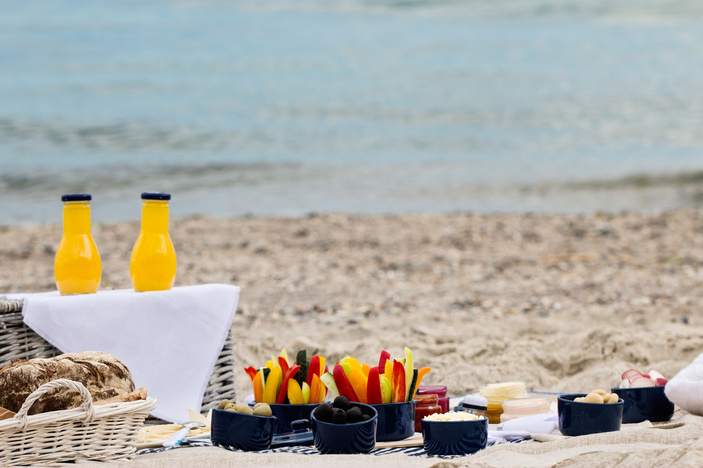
77	266
153	263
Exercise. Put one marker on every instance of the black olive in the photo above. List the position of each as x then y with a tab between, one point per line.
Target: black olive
323	412
339	416
341	403
355	415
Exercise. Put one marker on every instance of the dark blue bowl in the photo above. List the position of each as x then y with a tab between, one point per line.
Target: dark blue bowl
578	418
285	414
241	431
646	403
346	438
396	421
454	437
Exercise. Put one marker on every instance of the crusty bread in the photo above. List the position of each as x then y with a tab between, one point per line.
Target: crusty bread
103	375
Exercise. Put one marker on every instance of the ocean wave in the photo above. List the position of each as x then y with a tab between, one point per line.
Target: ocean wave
645	10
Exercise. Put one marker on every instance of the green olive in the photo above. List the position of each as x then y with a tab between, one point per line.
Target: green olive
262	409
223	404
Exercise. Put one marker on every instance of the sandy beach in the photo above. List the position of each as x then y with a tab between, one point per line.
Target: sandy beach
562	302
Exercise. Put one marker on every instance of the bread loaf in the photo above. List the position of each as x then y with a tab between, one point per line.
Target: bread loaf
103	375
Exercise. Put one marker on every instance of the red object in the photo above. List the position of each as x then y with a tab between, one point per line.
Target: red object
283	392
314	368
385	355
398	382
251	372
425	406
373	387
342	382
283	363
439	390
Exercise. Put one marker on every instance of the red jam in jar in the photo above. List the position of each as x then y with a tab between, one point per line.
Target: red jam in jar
426	405
440	391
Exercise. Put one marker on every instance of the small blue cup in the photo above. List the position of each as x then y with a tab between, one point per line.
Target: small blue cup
644	403
578	418
454	437
242	431
358	437
286	413
396	421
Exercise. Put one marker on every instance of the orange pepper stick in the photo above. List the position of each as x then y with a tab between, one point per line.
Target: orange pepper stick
421	372
258	388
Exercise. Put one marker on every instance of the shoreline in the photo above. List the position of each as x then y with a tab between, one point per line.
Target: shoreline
562	302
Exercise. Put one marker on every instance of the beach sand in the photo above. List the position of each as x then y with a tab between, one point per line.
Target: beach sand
561	302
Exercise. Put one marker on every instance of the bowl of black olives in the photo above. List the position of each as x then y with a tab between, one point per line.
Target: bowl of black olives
344	427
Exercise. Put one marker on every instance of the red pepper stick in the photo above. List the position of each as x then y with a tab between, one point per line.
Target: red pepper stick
385	355
343	385
284	364
313	369
251	372
398	382
283	392
373	387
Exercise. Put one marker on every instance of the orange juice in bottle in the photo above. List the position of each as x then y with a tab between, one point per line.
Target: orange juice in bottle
153	263
77	266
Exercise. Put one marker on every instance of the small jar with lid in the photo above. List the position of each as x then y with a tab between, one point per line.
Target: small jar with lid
425	406
475	404
440	391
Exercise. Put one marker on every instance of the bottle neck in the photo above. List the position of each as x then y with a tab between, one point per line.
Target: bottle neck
155	216
76	217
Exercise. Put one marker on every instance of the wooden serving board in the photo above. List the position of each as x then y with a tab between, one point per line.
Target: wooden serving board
413	441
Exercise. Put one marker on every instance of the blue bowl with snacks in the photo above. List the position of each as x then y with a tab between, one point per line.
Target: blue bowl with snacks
644	403
349	438
577	418
396	421
454	437
286	413
242	431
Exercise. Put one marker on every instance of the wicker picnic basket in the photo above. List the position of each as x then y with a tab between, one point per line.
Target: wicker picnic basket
18	341
95	433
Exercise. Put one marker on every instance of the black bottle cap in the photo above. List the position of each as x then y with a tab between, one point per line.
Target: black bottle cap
156	196
76	197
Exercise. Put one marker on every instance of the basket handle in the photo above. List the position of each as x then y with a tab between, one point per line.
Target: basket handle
86	406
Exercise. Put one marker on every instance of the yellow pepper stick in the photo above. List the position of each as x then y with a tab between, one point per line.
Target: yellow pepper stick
295	394
322	365
388	371
273	385
365	368
258	388
269	364
408	372
284	355
359	381
353	362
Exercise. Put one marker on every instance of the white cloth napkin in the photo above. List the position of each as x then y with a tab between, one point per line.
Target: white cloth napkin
686	388
169	340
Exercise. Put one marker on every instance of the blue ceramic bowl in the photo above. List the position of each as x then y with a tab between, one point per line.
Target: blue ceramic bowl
646	403
241	431
396	421
578	418
454	437
285	414
346	438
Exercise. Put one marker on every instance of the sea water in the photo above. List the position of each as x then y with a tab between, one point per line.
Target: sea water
287	107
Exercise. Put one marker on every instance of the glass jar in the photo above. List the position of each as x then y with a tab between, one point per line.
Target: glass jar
425	406
440	391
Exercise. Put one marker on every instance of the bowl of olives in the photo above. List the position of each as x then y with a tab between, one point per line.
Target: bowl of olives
344	427
241	427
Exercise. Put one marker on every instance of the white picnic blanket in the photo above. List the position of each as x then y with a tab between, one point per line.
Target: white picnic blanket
169	340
